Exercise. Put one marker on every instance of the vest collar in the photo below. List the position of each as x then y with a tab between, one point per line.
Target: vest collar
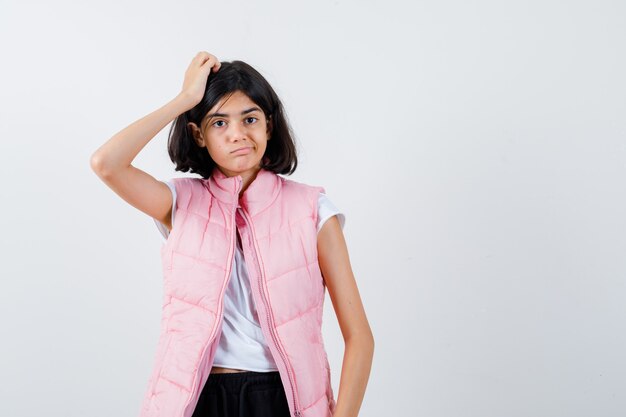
261	192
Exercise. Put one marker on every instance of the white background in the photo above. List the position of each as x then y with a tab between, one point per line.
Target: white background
477	149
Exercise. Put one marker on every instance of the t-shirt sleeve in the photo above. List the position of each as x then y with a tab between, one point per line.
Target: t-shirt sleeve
160	226
325	210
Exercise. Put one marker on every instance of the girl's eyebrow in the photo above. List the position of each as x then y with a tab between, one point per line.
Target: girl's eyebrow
250	110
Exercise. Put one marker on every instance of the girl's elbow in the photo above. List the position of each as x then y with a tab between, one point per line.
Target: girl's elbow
366	340
371	342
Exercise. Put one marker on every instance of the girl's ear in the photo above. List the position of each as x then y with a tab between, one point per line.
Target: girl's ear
196	133
269	127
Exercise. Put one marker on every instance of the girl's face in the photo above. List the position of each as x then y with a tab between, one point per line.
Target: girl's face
235	133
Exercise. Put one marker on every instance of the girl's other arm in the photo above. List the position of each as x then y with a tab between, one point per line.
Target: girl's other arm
112	161
358	355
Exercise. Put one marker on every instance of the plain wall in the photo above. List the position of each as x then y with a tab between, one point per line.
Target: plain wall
477	149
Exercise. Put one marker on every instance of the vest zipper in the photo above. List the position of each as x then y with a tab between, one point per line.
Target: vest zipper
297	412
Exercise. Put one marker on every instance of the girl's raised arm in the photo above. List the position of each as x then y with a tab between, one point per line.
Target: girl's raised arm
112	161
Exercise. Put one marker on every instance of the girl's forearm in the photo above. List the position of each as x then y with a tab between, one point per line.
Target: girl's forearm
121	149
355	371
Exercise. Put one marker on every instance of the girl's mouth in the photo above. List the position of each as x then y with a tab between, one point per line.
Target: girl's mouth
242	151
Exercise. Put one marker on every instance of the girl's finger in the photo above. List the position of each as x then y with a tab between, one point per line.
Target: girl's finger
206	60
203	56
210	59
200	56
213	64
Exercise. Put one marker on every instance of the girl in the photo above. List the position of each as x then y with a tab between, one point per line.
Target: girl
247	257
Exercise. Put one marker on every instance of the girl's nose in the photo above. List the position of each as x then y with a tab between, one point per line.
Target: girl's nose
237	132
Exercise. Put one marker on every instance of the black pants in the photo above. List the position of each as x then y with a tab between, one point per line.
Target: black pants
243	394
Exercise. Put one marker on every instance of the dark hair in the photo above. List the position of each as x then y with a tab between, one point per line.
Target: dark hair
280	155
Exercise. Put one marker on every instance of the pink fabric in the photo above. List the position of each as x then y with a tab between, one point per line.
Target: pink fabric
279	238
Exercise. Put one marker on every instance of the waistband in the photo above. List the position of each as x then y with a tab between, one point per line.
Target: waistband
233	382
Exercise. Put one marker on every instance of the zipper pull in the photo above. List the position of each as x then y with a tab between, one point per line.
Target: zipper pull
297	413
239	183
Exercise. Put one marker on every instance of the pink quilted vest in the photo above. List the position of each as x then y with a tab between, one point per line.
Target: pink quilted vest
277	223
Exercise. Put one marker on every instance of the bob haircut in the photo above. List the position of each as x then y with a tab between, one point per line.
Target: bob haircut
280	155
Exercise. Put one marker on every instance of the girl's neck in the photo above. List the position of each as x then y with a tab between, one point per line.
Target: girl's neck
247	178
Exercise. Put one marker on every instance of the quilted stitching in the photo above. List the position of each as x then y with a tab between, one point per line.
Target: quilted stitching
196	257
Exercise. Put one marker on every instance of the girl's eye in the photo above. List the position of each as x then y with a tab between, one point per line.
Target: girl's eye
219	125
254	119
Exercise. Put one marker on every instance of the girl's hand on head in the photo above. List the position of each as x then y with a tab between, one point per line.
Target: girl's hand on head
197	75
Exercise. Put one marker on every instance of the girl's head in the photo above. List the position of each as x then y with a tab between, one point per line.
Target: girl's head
239	110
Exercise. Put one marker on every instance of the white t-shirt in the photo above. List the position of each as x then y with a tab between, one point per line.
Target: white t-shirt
242	344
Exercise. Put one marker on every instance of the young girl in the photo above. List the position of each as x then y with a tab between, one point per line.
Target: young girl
246	259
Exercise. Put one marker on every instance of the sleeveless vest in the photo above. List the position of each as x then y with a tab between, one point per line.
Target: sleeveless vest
276	219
